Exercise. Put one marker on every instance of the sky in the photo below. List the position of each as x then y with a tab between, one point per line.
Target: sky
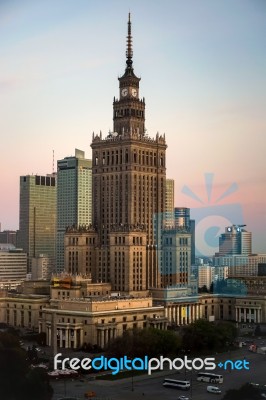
202	65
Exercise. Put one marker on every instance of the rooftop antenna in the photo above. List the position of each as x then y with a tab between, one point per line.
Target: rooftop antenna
53	161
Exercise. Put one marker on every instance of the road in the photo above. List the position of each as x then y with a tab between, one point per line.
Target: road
150	387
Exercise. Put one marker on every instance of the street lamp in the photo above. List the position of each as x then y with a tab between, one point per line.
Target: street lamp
191	384
132	377
132	381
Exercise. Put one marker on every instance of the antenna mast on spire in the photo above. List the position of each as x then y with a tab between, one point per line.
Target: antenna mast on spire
129	52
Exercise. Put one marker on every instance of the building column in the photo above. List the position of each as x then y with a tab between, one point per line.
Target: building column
172	314
249	315
189	309
75	338
245	315
197	311
102	338
237	314
67	338
81	337
60	337
177	315
259	319
49	336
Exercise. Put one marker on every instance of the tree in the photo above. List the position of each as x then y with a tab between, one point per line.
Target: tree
17	380
202	336
150	342
203	289
257	331
246	392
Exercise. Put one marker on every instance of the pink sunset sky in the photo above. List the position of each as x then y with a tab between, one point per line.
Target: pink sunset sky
202	66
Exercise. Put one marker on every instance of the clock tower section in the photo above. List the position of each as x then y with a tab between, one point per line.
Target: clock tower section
129	109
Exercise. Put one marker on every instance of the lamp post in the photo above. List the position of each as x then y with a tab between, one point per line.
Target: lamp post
191	384
132	381
132	377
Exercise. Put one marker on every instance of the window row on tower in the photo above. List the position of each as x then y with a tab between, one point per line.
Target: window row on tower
128	112
119	157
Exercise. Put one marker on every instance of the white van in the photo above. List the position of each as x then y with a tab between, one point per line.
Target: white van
213	389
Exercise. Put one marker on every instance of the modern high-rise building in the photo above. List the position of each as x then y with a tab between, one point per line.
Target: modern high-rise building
205	275
37	216
175	256
182	219
235	240
8	237
129	184
74	198
169	202
13	267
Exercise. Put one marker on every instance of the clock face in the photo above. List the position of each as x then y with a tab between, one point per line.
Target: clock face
124	92
134	92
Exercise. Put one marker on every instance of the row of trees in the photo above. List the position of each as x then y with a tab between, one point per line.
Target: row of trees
200	337
246	392
17	380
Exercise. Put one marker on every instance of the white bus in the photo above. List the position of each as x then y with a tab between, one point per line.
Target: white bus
209	377
173	383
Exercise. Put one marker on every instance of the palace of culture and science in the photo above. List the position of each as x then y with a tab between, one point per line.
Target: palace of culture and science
131	266
125	241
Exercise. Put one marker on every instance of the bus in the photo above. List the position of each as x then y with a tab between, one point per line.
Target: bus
173	383
209	377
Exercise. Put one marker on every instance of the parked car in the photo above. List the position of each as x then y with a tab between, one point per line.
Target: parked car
214	389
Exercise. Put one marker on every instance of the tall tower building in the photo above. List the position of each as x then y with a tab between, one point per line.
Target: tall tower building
37	216
235	240
74	198
129	175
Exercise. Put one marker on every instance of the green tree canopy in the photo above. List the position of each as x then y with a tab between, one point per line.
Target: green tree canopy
151	342
246	392
17	380
202	336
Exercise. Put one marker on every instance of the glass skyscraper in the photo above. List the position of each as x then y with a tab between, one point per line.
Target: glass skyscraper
37	216
74	198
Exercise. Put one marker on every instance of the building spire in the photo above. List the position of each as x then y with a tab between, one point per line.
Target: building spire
129	52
